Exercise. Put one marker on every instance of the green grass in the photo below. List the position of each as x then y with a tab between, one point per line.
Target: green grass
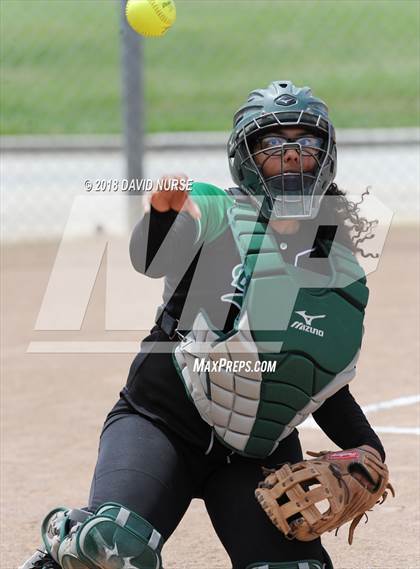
60	70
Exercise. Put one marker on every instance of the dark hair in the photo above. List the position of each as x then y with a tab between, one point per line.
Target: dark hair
353	228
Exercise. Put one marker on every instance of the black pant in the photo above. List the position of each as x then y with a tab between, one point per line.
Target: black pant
153	472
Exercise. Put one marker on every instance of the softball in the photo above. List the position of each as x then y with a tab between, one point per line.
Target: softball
151	18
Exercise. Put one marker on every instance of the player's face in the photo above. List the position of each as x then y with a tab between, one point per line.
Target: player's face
275	159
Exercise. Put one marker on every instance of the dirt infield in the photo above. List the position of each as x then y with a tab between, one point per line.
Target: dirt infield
53	407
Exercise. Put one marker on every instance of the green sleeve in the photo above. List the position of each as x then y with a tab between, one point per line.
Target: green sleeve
214	204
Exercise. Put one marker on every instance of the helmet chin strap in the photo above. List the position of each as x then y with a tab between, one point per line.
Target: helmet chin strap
289	196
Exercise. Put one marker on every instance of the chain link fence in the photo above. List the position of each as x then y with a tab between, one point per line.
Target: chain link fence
61	78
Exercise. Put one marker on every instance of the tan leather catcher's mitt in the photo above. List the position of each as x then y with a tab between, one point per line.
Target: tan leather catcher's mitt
306	499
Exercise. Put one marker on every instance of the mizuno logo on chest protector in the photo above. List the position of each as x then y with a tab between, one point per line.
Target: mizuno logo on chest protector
308	319
308	322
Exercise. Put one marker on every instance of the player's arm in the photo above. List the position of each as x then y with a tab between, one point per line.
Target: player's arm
176	223
344	422
159	237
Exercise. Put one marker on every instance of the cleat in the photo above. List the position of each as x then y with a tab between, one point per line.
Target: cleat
40	560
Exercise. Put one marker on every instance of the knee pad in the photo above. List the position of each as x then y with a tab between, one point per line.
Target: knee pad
82	540
305	564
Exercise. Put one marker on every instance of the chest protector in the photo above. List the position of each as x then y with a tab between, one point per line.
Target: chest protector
294	343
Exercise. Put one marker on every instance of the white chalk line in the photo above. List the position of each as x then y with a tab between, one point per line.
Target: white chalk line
397	430
398	402
372	407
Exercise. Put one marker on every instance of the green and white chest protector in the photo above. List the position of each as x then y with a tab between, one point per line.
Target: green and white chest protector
294	344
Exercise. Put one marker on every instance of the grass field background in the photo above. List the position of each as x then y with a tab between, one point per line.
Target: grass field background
60	68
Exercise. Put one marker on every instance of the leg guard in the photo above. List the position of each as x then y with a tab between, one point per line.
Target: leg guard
39	560
111	537
305	564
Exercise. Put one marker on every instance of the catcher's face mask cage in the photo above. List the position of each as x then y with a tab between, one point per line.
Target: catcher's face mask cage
288	192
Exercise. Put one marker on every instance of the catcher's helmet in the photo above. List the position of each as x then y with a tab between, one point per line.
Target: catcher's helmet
287	195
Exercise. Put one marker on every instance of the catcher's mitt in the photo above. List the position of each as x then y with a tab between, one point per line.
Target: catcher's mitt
348	482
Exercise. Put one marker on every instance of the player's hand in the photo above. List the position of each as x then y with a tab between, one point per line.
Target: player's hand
176	199
362	479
